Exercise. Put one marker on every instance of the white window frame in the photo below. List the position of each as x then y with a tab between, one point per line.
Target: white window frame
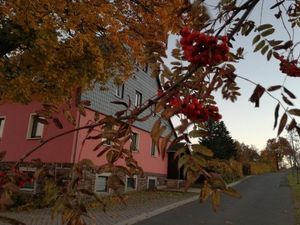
145	67
137	141
30	126
102	175
120	91
29	169
136	182
155	150
138	98
2	124
151	178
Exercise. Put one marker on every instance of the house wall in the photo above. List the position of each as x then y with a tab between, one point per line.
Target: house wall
150	164
16	143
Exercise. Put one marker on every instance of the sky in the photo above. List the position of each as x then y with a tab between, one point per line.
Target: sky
247	124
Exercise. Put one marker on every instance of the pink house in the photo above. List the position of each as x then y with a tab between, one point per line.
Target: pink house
21	131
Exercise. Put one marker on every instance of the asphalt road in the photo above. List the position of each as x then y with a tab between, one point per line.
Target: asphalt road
266	200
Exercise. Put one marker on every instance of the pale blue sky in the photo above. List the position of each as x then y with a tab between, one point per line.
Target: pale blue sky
254	126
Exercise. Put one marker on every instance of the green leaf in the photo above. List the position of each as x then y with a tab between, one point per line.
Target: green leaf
265	49
256	39
269	55
264	27
268	32
259	45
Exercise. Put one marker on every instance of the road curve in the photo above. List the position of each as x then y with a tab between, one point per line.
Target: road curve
266	200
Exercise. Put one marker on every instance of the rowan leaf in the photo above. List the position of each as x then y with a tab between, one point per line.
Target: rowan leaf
256	39
257	94
216	199
269	55
268	32
259	45
264	27
205	192
289	93
202	150
120	103
264	49
179	152
286	100
57	123
276	114
231	192
292	125
295	112
274	88
282	123
163	145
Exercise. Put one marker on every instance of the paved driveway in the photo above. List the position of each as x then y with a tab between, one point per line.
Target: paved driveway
266	200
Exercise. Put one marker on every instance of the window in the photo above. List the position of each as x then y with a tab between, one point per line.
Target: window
151	184
101	182
138	98
134	142
29	184
36	128
2	122
120	91
154	150
145	67
131	183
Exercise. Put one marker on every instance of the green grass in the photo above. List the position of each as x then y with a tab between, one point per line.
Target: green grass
296	192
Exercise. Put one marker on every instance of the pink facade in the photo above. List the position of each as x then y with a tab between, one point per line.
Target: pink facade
149	163
66	149
15	140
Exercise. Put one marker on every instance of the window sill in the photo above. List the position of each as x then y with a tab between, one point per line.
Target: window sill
34	138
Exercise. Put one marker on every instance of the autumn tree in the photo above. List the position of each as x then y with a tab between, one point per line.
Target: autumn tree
246	153
276	150
50	49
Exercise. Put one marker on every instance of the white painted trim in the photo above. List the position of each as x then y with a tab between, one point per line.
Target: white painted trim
29	169
155	150
102	175
122	86
29	128
151	178
136	182
138	141
2	126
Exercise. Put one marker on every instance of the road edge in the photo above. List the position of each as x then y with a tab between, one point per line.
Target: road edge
166	208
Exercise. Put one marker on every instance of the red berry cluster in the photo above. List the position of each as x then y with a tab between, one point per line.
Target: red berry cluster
289	67
20	178
200	48
195	110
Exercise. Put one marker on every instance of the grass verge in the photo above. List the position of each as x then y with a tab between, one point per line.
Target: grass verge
296	192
